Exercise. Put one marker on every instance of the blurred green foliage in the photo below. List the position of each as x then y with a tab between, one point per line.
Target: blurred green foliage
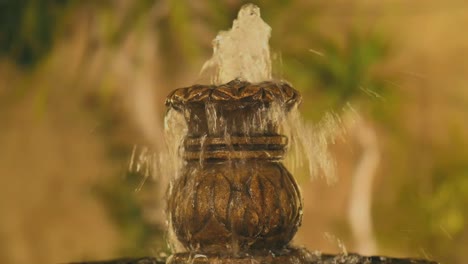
140	238
433	207
340	75
122	195
28	28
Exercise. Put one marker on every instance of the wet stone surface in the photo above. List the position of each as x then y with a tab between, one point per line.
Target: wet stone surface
144	260
315	259
296	256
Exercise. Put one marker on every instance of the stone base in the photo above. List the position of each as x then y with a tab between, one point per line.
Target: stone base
285	256
289	256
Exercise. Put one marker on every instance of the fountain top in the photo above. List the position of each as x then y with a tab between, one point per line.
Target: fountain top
241	52
236	93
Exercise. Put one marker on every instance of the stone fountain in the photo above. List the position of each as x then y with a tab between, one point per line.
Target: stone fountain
234	201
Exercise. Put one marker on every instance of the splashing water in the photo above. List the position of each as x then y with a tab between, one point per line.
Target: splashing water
338	242
175	129
242	52
165	163
142	161
309	144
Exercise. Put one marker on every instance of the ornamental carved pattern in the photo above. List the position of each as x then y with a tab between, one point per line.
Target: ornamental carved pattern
235	91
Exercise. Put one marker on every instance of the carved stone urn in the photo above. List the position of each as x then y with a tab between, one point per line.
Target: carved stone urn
235	199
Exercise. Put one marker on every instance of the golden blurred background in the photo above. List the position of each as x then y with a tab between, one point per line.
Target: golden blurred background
83	82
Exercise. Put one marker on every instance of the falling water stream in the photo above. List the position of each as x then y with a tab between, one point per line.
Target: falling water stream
243	53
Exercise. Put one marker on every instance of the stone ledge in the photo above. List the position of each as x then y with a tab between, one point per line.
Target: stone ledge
316	259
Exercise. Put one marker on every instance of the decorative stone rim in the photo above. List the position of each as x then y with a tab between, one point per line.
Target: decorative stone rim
284	256
236	140
236	91
235	154
235	147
